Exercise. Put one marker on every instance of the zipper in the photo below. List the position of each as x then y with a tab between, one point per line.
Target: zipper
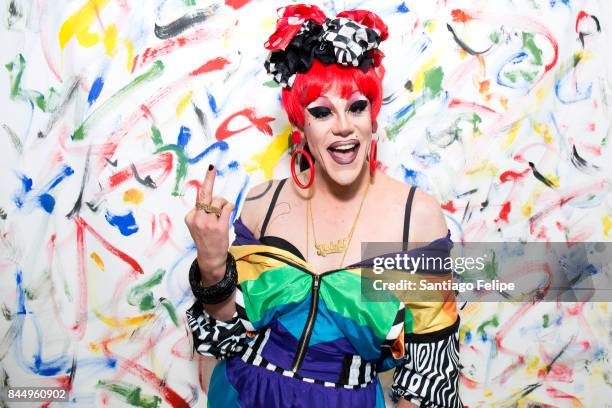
314	305
307	332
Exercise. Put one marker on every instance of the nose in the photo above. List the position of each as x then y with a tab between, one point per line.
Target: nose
343	125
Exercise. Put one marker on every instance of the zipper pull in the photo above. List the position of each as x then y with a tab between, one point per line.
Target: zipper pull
317	279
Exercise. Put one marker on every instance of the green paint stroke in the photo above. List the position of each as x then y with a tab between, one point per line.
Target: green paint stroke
110	105
156	136
170	309
536	52
131	393
546	321
182	162
271	84
395	128
46	103
141	295
494	322
475	121
433	80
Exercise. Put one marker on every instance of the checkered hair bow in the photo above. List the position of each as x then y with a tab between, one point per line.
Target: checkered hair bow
304	33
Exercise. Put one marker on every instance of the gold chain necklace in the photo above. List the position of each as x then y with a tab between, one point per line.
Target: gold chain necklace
341	245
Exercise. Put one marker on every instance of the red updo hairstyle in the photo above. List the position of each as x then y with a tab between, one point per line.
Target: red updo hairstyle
321	78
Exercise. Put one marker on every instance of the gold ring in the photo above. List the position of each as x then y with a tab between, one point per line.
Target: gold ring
209	209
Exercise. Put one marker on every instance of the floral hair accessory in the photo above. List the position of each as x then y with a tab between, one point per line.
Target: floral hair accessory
303	33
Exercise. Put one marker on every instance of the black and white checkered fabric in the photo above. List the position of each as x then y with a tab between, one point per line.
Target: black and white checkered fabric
339	40
350	40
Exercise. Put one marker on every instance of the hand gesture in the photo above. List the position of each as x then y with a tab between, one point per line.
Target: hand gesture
208	224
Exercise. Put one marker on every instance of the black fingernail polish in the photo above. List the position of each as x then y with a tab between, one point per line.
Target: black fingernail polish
210	167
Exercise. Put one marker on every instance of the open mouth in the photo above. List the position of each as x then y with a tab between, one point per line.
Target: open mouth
344	152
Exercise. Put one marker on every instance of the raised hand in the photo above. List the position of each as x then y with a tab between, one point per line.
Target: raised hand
208	224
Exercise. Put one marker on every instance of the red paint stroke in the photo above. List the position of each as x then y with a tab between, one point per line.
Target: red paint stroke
80	318
82	224
503	213
214	64
508	371
455	103
582	15
236	4
558	394
260	123
508	324
169	46
513	175
450	207
147	112
165	225
460	16
171	396
468	382
162	161
153	225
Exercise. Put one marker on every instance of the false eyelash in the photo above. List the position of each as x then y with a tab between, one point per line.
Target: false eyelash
319	111
358	106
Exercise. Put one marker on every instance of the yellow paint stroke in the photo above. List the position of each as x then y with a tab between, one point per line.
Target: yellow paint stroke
430	26
463	330
488	394
485	167
419	81
267	159
527	208
124	321
185	100
532	365
133	195
79	24
96	258
130	53
512	133
543	130
607	224
110	40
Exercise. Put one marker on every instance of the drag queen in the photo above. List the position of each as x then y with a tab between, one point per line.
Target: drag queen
281	307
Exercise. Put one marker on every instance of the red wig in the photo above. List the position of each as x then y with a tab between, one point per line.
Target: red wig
321	78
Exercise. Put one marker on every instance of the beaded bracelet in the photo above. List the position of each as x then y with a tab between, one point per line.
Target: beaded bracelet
218	292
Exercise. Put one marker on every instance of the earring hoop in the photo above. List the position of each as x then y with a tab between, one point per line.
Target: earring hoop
372	157
310	167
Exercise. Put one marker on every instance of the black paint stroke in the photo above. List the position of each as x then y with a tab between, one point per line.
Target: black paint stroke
183	23
79	202
147	181
268	187
463	45
14	138
94	206
202	120
469	192
555	358
2	213
484	205
465	213
59	112
540	177
582	34
112	163
579	162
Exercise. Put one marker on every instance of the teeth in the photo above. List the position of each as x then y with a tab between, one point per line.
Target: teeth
344	147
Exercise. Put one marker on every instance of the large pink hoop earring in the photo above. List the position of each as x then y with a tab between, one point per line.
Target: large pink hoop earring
372	157
310	164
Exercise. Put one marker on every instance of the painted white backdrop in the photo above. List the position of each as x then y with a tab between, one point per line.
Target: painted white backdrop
112	110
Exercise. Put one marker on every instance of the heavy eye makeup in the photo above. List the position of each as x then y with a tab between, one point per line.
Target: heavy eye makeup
319	112
358	106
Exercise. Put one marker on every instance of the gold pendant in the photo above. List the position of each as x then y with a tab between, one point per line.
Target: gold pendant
337	247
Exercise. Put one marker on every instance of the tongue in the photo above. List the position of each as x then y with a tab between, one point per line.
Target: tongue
343	157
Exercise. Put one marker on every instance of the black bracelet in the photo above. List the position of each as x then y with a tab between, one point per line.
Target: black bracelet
218	292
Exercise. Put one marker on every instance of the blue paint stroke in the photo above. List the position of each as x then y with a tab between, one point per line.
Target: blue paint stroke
213	104
96	89
428	159
402	8
415	178
582	93
553	3
231	167
44	199
184	136
513	60
125	223
239	198
220	145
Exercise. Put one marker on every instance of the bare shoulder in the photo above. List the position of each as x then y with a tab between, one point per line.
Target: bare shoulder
256	204
427	221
